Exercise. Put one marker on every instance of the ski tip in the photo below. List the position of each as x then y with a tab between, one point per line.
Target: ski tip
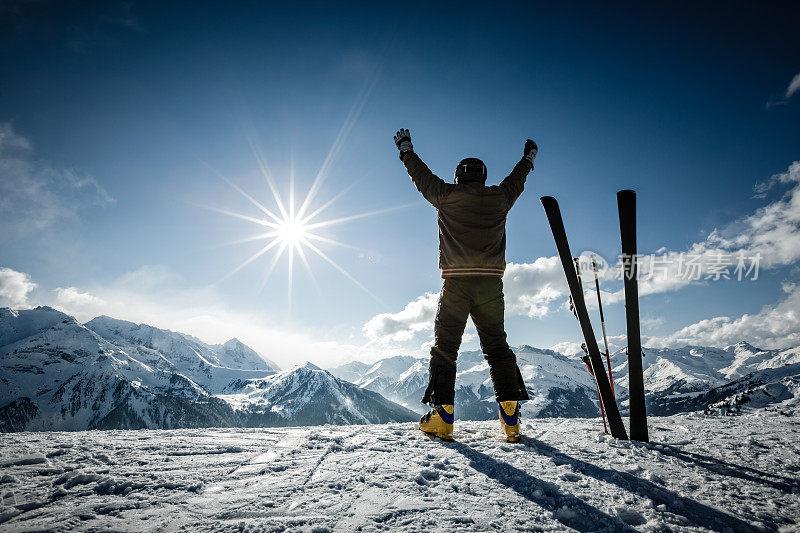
626	192
548	200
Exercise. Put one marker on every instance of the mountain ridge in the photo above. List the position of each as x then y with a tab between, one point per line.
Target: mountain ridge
108	373
58	374
674	380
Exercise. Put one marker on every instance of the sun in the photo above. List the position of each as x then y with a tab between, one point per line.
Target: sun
290	230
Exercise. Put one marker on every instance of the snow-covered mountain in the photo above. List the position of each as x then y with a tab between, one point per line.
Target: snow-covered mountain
771	389
692	378
57	374
396	378
352	371
236	354
385	372
213	367
184	352
308	395
558	386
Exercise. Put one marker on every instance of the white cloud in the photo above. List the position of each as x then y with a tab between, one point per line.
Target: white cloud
415	320
792	174
10	140
775	326
72	297
148	278
651	322
568	348
793	87
530	288
15	288
35	195
771	233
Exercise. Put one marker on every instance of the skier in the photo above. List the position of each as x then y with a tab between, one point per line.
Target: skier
472	245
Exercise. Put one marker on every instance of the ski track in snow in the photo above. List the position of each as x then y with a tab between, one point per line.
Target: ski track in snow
699	474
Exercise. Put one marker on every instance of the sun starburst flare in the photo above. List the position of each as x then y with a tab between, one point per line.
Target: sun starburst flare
288	230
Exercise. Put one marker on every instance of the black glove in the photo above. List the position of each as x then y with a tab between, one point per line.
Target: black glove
530	151
403	141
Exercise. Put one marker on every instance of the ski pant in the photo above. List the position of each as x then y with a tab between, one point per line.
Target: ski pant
480	297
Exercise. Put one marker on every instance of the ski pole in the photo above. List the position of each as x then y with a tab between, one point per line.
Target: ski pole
602	321
588	362
577	261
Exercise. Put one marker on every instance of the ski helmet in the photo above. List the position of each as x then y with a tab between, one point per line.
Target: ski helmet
470	170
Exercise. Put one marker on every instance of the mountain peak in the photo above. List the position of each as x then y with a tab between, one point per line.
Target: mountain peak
19	324
308	395
44	310
236	354
105	319
743	346
534	349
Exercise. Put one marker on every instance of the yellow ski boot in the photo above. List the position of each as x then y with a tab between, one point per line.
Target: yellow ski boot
509	420
438	422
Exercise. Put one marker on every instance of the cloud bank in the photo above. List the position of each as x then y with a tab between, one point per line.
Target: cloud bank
775	326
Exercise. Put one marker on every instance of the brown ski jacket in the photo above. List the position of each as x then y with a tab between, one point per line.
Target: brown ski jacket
472	218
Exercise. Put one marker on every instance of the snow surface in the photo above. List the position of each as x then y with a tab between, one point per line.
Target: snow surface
700	473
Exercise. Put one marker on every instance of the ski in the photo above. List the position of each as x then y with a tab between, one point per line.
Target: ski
587	361
626	202
559	234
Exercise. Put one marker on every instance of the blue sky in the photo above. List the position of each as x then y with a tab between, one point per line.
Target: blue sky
114	115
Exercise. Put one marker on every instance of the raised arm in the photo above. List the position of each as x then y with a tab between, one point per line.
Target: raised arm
514	183
432	187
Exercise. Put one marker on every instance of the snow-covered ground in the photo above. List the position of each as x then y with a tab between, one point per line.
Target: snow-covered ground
700	473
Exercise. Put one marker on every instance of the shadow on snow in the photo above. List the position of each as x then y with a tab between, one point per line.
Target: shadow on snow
694	511
567	509
781	483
